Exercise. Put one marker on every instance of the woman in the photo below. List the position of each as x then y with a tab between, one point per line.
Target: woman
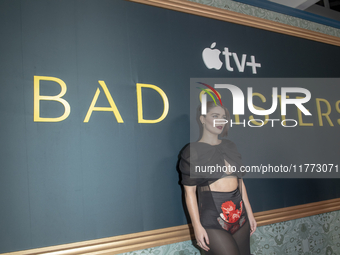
222	217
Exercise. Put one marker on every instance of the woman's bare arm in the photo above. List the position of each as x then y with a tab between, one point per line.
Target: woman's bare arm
250	214
191	202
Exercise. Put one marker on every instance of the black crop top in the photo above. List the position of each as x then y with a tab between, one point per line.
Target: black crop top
202	163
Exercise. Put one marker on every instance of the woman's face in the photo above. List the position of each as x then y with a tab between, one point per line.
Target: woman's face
216	113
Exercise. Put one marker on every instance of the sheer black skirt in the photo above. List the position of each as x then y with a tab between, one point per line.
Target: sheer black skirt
227	224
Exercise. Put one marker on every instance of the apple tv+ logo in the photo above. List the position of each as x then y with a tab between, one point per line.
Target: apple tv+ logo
211	59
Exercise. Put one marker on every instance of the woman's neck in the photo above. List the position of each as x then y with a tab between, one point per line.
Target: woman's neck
211	139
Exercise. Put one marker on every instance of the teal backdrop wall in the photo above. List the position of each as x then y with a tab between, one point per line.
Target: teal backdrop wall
69	181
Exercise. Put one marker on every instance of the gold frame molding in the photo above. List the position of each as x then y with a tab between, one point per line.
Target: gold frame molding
158	237
241	19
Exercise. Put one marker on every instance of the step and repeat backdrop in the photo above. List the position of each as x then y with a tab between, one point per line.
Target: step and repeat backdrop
95	108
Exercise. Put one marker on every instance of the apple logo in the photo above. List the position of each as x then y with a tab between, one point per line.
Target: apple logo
211	57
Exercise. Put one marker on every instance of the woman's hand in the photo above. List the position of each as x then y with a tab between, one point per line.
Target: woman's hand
201	237
251	218
200	233
252	223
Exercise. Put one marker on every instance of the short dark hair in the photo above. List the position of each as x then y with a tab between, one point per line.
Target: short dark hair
211	105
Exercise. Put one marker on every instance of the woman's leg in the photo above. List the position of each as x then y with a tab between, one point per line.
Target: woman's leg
242	238
221	242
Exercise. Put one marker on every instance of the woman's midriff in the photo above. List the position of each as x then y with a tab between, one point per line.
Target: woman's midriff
226	184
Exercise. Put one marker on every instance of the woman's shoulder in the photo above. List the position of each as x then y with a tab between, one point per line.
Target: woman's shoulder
197	149
191	149
226	143
198	146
